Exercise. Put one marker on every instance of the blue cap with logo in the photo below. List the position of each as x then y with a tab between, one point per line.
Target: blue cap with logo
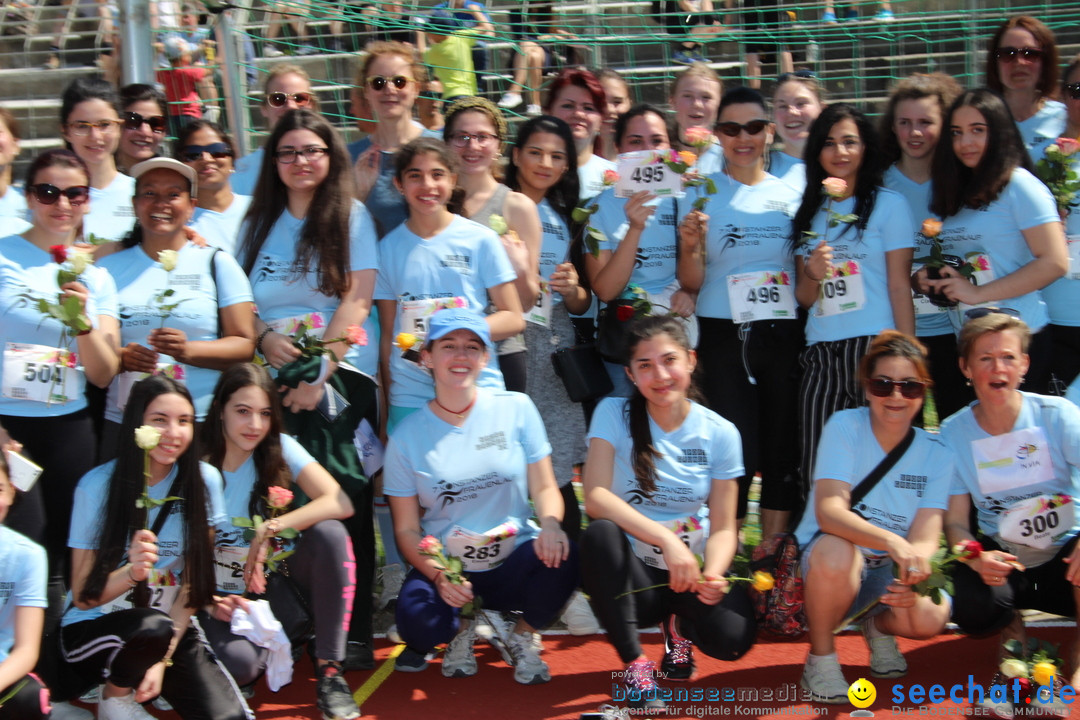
450	319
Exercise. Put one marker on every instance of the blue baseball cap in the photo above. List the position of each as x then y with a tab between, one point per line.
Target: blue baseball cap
448	320
442	21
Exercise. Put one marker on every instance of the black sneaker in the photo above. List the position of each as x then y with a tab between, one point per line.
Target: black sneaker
411	660
359	656
333	697
678	662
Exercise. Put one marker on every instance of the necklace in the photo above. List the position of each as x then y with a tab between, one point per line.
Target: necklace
459	413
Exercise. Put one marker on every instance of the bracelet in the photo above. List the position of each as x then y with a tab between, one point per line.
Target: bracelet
168	661
132	582
259	342
273	527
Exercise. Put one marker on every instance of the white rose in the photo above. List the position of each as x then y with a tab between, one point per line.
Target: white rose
147	437
167	258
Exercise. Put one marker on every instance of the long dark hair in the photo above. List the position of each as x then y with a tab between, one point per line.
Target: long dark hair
83	89
270	466
638	110
637	407
867	180
957	186
324	239
563	195
442	152
125	485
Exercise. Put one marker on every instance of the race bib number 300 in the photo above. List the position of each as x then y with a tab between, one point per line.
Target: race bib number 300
1039	522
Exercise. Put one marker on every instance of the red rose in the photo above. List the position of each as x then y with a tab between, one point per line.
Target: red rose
624	313
58	252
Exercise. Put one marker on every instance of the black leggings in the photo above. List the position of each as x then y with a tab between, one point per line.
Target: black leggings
30	702
608	566
514	368
121	646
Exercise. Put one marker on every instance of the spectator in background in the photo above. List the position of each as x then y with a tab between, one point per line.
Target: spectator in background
197	37
535	30
12	203
450	51
756	14
143	110
182	83
463	11
693	21
296	11
884	14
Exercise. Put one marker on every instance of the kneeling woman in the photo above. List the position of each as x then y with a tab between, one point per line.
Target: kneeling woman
848	555
463	469
244	440
142	652
656	461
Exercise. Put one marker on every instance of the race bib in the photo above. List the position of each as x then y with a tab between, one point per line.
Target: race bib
127	379
41	373
415	315
1013	460
688	529
229	564
761	295
645	170
482	551
1074	257
540	312
164	587
1038	522
314	325
842	291
984	273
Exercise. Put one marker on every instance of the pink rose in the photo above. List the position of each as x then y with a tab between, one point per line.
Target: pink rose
931	227
278	498
834	187
1068	146
698	136
610	177
430	545
356	335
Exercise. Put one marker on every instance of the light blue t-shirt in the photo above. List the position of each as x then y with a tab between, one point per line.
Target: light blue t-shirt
749	227
222	229
993	235
474	476
849	451
1062	297
246	176
201	295
1058	422
281	294
555	243
111	215
13	211
591	177
22	582
790	169
461	262
1043	128
929	319
654	271
711	161
25	268
705	448
860	255
91	496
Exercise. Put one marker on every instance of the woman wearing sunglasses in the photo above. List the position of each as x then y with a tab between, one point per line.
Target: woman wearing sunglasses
206	148
1019	465
1022	67
90	124
287	87
43	400
389	78
143	111
577	98
852	558
798	99
999	218
751	332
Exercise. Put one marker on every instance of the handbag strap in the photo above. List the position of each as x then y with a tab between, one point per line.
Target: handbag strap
164	510
886	464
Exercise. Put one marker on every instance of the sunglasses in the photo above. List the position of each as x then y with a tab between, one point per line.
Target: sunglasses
378	82
47	194
910	389
1011	54
732	129
194	153
976	313
280	99
134	121
1073	90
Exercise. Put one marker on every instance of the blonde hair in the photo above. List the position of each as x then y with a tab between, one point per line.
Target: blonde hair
696	70
993	322
377	49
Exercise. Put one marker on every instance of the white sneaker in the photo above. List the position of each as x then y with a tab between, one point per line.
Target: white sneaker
122	708
510	100
533	110
825	681
885	658
161	704
393	635
271	52
391	576
496	629
579	617
529	669
459	659
67	711
93	695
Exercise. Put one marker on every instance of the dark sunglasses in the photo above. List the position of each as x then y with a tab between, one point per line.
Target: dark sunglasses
378	82
910	389
134	121
976	313
193	153
47	194
732	129
280	99
1073	90
1010	54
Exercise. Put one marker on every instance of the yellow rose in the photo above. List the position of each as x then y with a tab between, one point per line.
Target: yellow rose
1043	673
405	341
763	581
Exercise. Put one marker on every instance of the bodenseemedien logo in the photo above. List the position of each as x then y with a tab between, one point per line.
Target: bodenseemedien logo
1023	699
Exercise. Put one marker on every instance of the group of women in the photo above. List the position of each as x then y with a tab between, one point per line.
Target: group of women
789	293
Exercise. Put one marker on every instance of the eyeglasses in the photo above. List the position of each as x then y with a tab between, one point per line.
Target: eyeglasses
134	121
976	313
194	153
802	74
378	82
47	194
732	129
462	139
280	99
1073	90
82	128
290	155
1010	54
910	389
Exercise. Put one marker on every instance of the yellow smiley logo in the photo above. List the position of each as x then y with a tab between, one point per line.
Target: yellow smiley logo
862	693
